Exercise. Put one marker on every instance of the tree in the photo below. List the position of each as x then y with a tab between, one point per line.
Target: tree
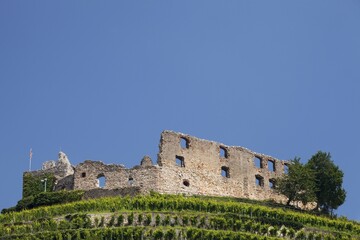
298	184
328	178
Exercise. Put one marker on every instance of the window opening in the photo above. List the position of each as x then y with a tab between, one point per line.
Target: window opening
184	142
223	152
130	181
271	165
258	162
259	180
180	161
272	183
286	169
186	183
101	181
83	174
225	172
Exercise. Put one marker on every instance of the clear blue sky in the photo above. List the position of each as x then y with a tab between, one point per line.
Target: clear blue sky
102	79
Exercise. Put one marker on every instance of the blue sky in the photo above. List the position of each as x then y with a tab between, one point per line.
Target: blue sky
102	79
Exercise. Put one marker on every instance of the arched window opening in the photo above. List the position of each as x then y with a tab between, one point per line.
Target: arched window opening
101	181
272	183
223	152
131	181
258	162
271	165
180	161
259	181
83	174
186	183
184	142
225	172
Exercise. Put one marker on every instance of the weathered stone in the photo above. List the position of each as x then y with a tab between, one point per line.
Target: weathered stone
99	192
186	165
146	161
48	165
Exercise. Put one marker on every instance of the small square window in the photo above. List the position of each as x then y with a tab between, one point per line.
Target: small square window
223	152
184	142
258	162
271	165
131	181
180	161
259	181
272	183
225	172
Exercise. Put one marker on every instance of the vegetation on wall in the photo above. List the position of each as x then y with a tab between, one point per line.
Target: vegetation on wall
46	199
33	185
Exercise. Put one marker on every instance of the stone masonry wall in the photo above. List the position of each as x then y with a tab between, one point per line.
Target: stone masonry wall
208	168
87	174
185	164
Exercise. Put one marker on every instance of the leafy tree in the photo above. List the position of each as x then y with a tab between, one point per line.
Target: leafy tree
329	192
298	184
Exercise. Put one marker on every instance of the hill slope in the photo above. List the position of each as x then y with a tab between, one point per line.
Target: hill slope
170	217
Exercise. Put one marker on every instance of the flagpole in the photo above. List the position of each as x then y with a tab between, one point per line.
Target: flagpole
30	159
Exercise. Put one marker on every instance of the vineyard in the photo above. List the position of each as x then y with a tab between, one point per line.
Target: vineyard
158	216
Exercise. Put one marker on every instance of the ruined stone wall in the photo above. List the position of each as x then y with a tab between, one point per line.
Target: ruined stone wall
195	166
88	174
186	164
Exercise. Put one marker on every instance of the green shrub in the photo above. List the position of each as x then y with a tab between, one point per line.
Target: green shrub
157	220
148	219
130	218
166	220
33	185
120	220
140	218
112	221
158	234
170	234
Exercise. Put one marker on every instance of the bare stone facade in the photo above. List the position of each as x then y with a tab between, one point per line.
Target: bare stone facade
185	164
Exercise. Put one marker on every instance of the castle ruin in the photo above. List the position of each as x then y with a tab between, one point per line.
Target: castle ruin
185	164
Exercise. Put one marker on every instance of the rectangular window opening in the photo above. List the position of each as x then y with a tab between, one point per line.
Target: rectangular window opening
225	172
271	166
259	181
180	161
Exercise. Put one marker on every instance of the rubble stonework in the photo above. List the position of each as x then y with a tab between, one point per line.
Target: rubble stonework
185	164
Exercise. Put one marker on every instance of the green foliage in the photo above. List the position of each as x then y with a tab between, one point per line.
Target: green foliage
130	218
120	220
112	221
209	219
148	219
140	218
329	178
157	220
298	184
47	198
33	185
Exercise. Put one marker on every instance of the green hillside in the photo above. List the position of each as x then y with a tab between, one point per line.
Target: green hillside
158	216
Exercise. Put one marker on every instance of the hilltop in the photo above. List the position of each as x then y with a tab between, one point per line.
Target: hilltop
158	216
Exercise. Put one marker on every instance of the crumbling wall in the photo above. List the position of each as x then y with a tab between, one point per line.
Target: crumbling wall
195	166
87	174
186	164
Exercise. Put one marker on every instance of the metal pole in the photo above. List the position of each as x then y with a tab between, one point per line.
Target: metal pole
30	157
44	181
